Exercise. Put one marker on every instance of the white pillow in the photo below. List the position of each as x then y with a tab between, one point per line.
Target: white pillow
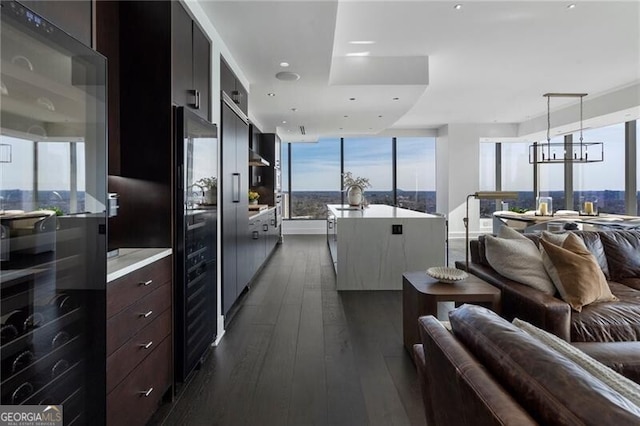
625	387
510	233
519	260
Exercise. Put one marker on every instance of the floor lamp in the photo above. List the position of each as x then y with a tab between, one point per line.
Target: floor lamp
482	195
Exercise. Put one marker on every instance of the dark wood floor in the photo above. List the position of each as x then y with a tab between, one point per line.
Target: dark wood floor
300	353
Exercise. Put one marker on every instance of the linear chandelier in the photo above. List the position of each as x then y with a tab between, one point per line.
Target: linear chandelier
559	152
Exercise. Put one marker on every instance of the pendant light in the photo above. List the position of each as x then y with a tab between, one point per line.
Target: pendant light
559	152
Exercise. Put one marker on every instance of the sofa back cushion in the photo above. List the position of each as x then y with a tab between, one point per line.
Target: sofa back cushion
459	390
623	253
552	388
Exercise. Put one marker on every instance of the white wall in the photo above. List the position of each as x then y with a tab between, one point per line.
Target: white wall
458	170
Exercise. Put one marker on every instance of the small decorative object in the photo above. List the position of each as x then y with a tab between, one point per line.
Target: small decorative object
210	187
589	208
355	188
253	197
447	275
544	206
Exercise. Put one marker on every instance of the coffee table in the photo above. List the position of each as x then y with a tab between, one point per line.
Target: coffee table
421	294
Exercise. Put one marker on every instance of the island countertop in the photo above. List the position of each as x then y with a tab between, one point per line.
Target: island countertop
375	211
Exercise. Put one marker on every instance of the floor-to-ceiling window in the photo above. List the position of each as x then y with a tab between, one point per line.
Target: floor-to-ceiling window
371	158
602	182
284	176
517	174
551	179
315	178
416	173
487	178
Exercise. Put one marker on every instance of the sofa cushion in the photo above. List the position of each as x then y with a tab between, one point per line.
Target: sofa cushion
623	253
575	272
609	321
606	375
548	385
519	260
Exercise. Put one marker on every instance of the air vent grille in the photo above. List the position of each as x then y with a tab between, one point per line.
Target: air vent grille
302	130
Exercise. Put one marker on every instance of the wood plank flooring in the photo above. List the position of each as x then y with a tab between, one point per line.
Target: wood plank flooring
300	353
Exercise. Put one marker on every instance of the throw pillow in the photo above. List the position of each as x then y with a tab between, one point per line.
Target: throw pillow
518	260
557	239
510	233
575	272
617	382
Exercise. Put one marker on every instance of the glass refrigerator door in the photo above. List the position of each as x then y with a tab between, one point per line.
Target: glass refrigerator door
52	218
200	183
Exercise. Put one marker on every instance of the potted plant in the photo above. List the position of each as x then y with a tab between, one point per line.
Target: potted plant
355	187
210	187
253	197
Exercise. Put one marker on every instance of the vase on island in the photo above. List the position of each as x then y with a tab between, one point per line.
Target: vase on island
355	195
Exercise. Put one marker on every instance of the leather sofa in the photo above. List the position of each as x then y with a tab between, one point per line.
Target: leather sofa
617	253
489	372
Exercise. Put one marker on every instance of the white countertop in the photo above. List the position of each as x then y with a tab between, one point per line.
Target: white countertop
375	211
131	259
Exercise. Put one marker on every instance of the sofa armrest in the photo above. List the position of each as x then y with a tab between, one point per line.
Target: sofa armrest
518	300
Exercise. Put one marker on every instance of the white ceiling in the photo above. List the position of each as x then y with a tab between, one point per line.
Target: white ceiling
489	62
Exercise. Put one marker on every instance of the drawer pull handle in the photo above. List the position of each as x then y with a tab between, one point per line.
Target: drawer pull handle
146	315
146	283
146	393
146	345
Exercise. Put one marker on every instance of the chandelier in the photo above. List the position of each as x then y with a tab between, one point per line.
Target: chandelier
559	152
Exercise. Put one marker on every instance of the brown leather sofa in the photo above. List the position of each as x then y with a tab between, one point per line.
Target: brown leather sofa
617	253
489	372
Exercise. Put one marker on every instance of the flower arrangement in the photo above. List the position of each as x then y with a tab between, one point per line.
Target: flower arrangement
348	180
210	183
253	196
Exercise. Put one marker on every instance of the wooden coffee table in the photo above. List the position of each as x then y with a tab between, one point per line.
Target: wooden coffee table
421	294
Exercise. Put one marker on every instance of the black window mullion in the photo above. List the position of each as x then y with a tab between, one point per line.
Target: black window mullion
394	170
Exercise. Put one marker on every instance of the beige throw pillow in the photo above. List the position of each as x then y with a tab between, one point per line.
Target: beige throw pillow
575	272
518	259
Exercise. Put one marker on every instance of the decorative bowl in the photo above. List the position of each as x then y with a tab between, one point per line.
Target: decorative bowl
446	275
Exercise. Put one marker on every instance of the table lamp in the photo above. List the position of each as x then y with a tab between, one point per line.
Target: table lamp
483	195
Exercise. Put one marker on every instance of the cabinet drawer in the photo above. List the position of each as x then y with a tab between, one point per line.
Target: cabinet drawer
136	349
134	400
123	291
121	327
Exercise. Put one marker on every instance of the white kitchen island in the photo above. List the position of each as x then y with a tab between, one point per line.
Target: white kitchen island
368	255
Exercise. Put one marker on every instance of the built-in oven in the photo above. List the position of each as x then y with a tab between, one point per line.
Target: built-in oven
278	202
278	183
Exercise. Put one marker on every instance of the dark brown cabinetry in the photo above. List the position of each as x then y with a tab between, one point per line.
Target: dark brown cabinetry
138	343
235	204
73	17
230	85
191	63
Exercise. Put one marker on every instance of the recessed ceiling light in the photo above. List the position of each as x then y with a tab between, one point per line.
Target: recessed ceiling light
358	54
284	64
379	116
271	95
294	109
284	121
370	128
352	99
287	76
457	7
571	6
346	116
396	99
341	128
362	42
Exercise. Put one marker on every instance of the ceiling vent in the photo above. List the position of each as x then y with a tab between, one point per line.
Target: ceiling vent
302	130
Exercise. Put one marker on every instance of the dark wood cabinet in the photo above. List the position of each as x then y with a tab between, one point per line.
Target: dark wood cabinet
230	85
191	63
235	209
73	17
138	346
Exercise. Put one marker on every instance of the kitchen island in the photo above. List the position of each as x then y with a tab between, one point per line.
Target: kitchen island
372	247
